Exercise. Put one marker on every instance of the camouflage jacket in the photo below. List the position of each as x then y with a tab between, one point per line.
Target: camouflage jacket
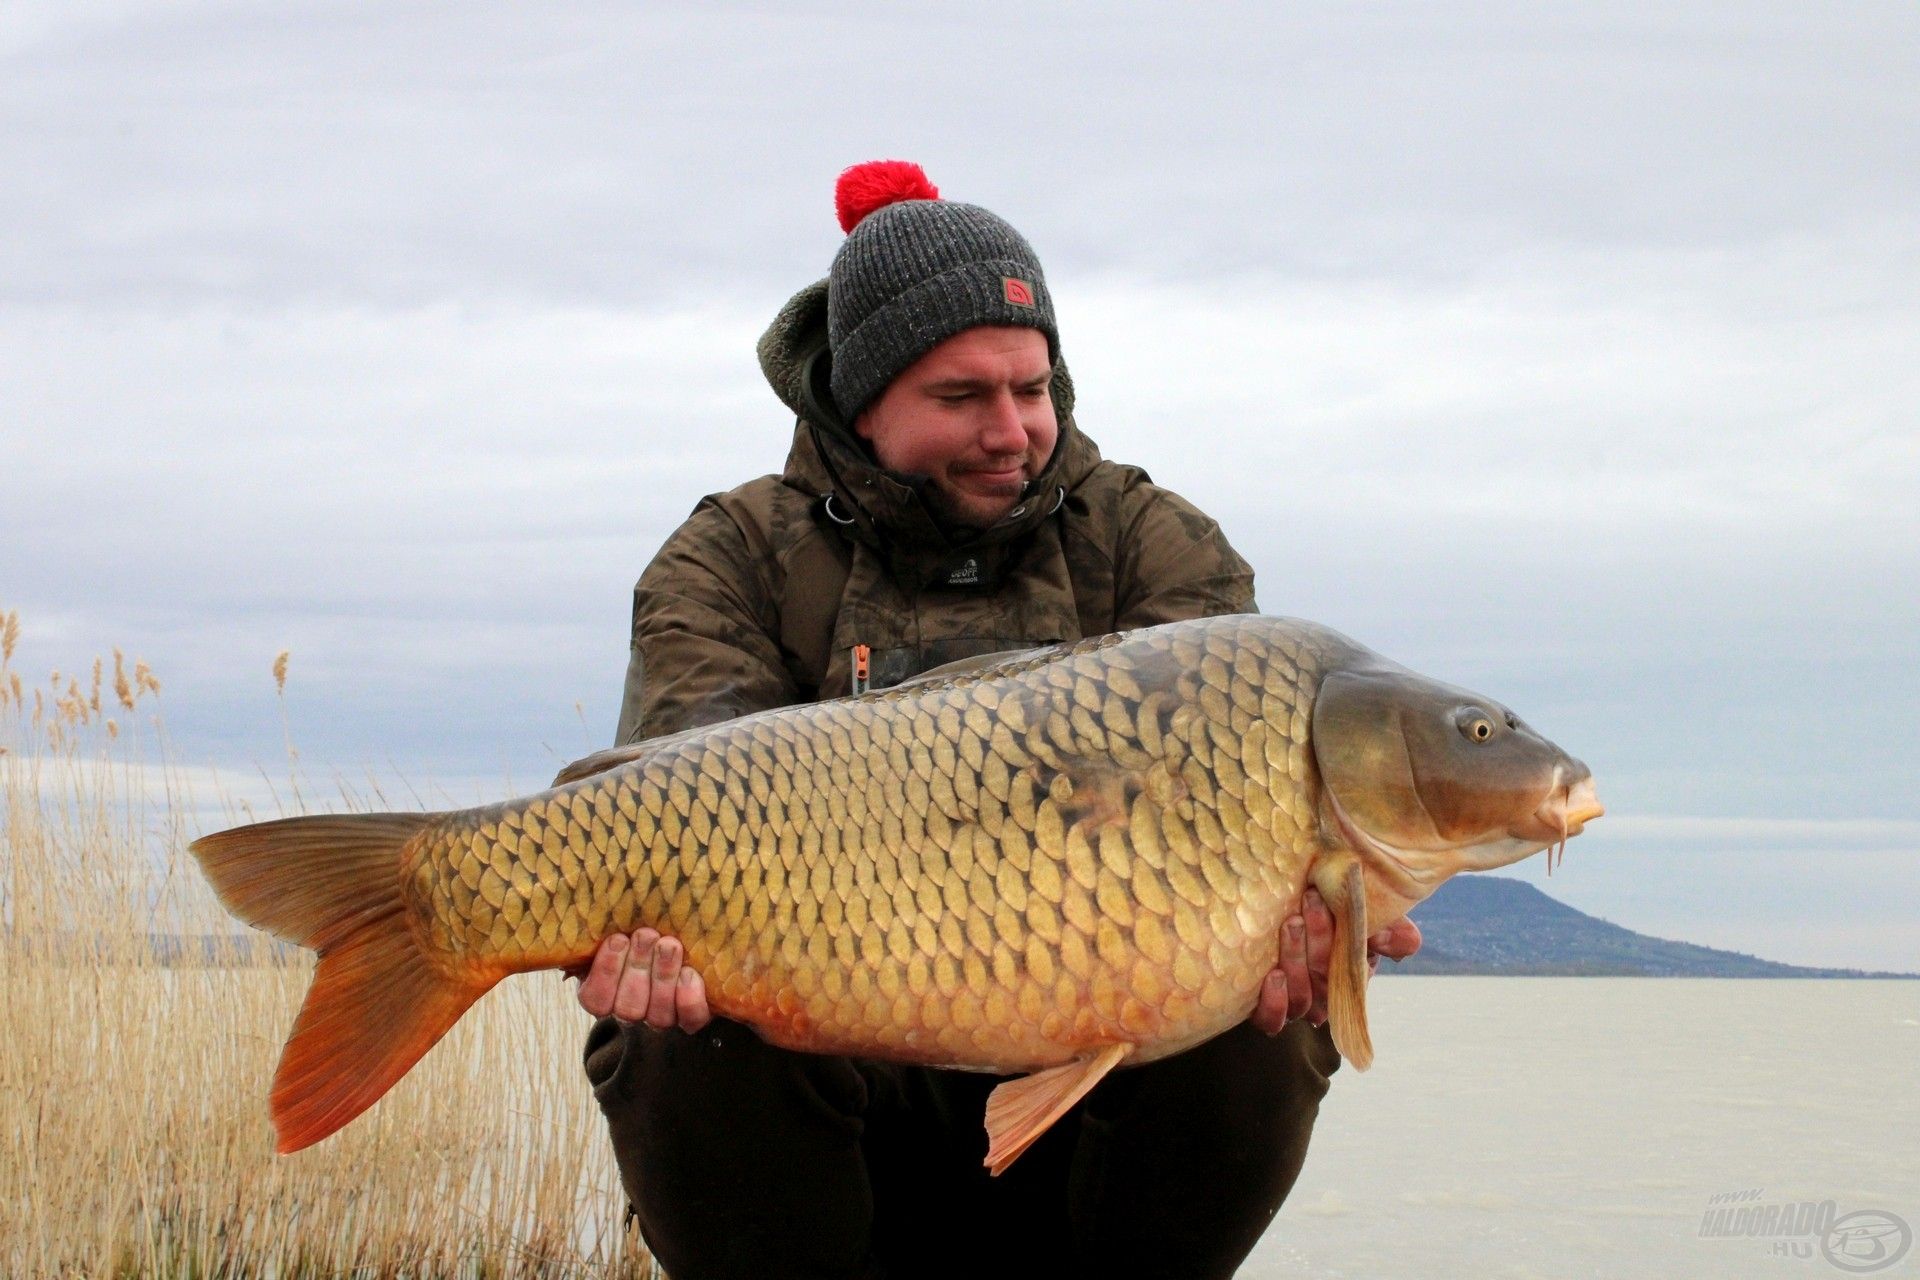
758	599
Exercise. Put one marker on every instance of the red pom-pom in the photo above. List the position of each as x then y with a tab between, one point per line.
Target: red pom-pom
877	184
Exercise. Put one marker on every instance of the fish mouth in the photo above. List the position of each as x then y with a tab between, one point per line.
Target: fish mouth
1582	806
1573	808
1565	813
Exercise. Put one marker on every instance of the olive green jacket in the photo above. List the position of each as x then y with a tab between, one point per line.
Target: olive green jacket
759	598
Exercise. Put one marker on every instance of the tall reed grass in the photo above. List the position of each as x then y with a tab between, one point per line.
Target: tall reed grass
138	1039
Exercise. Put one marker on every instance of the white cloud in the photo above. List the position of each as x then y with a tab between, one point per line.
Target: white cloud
1565	355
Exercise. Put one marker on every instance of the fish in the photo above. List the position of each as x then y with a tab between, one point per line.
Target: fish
1045	864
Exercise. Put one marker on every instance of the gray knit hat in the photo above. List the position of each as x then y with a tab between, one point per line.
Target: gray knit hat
913	271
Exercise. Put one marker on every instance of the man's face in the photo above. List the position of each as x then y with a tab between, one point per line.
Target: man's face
975	415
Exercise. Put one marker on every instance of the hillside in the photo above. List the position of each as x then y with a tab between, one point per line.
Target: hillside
1494	925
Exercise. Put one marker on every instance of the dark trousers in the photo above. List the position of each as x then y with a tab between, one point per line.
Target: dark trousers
750	1162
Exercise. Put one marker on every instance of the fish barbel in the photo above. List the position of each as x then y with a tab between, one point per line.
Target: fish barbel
1054	863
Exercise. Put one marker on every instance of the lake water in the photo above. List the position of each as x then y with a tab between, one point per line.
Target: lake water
1534	1127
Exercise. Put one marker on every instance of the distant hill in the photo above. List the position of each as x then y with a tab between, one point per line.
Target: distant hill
1493	925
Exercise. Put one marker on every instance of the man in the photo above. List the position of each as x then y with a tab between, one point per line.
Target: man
938	504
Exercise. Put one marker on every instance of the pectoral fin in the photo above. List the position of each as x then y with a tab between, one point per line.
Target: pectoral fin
1344	889
1019	1111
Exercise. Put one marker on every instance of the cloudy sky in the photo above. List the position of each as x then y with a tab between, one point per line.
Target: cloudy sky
1561	351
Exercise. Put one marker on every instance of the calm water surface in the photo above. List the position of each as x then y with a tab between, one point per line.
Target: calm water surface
1584	1126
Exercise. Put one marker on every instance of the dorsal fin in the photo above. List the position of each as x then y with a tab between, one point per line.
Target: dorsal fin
601	761
970	666
627	753
614	757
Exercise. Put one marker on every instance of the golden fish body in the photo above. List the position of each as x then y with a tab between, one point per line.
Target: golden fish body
996	871
1060	861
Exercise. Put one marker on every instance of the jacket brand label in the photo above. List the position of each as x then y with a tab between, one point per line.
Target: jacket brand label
965	574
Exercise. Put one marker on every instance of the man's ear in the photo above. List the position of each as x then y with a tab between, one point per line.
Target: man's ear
863	425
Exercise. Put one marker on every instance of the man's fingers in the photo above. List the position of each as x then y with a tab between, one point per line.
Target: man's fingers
603	979
1397	941
690	1000
636	984
1319	923
666	975
1270	1011
1293	959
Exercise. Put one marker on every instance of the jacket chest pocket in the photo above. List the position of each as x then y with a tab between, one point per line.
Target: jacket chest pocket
911	632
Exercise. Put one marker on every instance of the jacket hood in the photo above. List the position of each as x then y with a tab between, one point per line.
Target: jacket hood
887	509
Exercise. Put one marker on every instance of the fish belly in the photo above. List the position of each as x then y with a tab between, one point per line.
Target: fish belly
998	871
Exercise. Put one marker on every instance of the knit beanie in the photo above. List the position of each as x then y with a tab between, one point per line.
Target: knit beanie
913	271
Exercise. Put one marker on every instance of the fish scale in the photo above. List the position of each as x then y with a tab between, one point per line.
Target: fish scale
997	870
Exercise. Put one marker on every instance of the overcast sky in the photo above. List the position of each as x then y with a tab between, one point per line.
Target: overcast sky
1565	352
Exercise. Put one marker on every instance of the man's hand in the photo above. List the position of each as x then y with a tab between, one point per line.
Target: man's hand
1297	986
642	979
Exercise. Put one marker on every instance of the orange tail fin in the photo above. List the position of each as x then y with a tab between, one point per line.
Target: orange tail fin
377	1003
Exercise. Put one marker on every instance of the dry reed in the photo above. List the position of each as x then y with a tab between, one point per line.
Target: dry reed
141	1032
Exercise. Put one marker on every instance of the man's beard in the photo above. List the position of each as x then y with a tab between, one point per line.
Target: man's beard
952	516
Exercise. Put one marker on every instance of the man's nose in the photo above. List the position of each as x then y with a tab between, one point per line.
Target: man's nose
1003	432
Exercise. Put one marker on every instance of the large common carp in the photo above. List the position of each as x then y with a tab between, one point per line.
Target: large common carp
1054	863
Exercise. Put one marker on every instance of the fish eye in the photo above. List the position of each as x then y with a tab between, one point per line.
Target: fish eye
1475	724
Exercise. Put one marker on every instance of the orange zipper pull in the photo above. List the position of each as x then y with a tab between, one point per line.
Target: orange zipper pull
862	658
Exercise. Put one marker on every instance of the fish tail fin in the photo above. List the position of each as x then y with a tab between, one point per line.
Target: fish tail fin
377	1003
1344	887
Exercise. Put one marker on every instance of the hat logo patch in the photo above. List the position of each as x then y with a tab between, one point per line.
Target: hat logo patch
1018	291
